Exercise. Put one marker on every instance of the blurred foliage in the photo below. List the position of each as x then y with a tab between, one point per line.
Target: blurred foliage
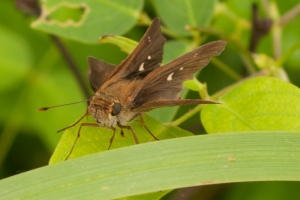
33	71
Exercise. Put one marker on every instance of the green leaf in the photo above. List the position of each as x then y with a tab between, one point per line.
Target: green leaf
126	45
96	139
193	84
163	165
262	103
178	14
196	85
92	22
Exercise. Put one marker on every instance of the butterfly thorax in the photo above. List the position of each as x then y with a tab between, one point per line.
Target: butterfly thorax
108	111
101	110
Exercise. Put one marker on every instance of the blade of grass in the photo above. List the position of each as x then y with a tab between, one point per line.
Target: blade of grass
163	165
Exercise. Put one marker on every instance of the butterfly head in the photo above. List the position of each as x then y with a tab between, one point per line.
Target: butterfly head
104	111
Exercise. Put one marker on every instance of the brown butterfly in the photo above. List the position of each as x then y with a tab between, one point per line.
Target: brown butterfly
139	83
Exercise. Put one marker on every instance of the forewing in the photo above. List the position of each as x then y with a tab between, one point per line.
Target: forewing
166	82
99	72
146	57
168	102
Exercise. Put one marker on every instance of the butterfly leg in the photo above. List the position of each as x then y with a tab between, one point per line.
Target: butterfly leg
78	135
132	131
112	137
143	123
122	133
85	114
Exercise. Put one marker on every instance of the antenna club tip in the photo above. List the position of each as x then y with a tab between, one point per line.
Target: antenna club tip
43	109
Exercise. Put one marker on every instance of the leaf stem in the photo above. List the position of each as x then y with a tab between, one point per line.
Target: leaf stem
287	54
187	115
225	68
291	14
72	65
276	29
244	53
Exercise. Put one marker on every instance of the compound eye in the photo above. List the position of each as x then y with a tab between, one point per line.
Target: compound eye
116	109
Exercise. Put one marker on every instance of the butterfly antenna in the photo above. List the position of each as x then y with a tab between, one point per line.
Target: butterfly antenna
47	108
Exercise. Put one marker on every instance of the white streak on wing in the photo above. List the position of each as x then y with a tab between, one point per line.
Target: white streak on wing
141	67
181	68
170	77
149	57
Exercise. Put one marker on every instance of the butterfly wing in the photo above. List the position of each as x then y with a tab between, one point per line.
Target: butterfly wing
165	83
145	58
171	102
99	72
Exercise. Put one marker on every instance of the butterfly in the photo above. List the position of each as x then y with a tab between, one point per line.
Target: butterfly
139	83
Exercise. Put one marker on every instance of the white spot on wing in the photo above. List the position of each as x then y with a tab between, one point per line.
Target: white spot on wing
170	77
141	67
181	68
149	57
149	39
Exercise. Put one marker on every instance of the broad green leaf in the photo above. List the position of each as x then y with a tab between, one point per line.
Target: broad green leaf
163	165
178	14
96	18
262	103
96	139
